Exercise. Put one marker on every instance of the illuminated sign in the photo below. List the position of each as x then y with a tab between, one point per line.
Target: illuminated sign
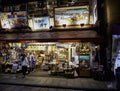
13	19
41	23
72	15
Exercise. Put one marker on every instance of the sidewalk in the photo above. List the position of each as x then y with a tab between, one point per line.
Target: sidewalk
57	82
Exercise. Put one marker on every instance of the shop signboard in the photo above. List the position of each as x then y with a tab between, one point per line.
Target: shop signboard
115	44
11	20
115	48
72	15
41	23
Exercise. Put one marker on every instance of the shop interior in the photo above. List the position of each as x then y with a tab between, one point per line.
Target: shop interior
56	58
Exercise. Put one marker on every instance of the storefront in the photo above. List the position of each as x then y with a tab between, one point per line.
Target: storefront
62	39
57	58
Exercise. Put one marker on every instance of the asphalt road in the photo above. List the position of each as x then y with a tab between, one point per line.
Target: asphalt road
29	88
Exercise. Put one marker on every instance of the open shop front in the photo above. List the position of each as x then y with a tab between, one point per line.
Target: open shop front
57	58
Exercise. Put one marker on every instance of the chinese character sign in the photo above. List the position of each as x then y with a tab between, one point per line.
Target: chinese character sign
41	23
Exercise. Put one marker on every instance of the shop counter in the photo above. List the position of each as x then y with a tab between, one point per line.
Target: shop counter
84	72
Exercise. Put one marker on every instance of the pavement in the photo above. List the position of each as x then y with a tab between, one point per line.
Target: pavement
42	79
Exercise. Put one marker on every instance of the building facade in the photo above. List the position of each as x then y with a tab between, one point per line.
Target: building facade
62	34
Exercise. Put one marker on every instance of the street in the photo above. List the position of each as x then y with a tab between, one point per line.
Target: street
29	88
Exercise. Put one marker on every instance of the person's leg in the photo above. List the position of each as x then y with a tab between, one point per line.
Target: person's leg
77	70
28	70
23	71
32	69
